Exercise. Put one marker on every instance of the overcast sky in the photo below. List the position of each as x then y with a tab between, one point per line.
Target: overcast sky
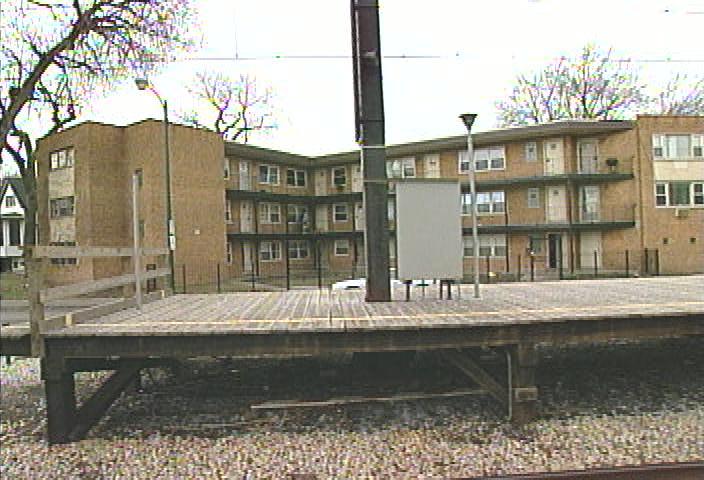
481	45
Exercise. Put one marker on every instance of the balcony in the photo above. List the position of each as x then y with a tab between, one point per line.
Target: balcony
561	219
297	230
607	168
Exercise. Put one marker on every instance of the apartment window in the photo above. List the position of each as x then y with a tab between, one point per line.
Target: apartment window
339	176
661	194
228	252
296	214
489	246
530	152
270	213
270	251
61	158
487	202
10	201
391	210
485	159
533	198
463	161
698	193
401	168
674	194
298	249
226	168
342	248
63	261
61	207
228	211
269	174
678	146
295	178
535	244
340	212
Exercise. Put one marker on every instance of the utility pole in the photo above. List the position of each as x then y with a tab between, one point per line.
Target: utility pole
369	123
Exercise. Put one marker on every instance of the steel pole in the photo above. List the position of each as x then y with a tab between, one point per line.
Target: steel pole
170	227
468	120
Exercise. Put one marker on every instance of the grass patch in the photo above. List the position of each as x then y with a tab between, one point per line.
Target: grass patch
12	286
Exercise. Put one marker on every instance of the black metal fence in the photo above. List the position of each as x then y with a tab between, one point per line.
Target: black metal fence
521	267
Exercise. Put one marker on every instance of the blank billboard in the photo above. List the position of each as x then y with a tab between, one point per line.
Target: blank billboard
428	229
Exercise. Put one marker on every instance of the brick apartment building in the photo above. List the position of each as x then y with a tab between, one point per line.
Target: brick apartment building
570	195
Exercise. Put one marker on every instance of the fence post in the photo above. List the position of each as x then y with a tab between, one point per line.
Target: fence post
218	272
559	260
519	269
657	261
488	268
183	275
647	261
627	273
532	268
596	264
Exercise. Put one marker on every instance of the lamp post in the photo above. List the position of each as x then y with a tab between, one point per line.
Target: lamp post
143	84
468	120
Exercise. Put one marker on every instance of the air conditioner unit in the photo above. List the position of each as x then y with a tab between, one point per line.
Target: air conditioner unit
681	212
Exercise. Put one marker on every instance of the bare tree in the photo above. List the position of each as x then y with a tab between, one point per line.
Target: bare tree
236	108
681	96
56	54
591	85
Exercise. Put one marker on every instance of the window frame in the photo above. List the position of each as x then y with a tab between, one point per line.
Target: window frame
296	178
529	200
334	212
273	251
57	210
61	158
667	194
531	158
491	205
340	241
266	179
266	210
334	177
494	244
10	201
298	246
660	141
301	210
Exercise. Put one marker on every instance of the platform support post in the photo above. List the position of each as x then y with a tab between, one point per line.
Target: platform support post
60	392
524	392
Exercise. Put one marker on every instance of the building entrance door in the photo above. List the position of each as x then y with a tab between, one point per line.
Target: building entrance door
245	178
554	249
554	156
588	160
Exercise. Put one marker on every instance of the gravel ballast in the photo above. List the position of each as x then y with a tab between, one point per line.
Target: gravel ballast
600	406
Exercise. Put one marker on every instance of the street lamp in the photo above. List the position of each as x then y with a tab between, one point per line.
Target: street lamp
468	120
143	84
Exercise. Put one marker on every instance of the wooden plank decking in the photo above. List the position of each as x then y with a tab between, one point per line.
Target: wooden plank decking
345	310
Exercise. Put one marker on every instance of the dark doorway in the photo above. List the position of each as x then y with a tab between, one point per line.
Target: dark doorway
554	249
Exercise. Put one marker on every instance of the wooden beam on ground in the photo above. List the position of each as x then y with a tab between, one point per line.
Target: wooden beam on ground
42	251
91	286
95	407
401	397
480	376
96	311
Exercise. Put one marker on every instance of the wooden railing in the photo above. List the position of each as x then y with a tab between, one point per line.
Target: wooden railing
38	295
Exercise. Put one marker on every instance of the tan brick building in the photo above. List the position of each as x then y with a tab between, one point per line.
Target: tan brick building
570	196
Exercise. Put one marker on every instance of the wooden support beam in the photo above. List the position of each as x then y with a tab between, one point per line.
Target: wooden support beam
524	392
60	392
480	376
95	407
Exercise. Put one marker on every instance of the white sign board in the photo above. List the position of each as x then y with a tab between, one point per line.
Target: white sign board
428	229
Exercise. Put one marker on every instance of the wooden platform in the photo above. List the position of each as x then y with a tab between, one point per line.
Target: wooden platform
513	317
344	311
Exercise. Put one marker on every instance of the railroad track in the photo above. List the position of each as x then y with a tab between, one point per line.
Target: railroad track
664	471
